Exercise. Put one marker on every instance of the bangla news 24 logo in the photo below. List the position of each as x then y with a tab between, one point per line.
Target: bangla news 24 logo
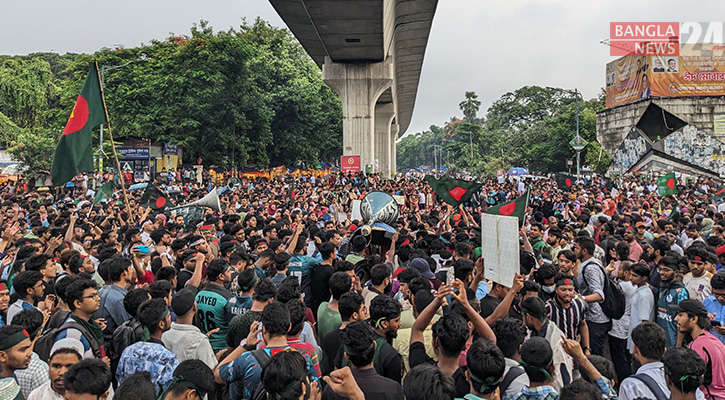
663	38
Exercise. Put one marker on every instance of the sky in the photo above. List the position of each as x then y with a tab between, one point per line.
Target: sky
489	47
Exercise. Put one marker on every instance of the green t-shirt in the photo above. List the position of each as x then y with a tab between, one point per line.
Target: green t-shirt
327	320
211	303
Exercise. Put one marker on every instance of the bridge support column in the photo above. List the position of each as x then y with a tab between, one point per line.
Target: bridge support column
359	86
394	130
384	114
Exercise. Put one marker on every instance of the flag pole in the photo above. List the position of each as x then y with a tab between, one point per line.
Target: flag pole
113	147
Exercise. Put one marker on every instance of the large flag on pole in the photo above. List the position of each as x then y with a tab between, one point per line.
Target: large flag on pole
513	208
453	191
667	185
74	153
564	181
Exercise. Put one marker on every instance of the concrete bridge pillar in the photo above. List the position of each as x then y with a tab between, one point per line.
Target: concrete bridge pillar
359	86
394	130
384	114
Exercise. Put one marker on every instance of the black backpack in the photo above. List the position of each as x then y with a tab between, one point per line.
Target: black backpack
43	346
125	335
614	302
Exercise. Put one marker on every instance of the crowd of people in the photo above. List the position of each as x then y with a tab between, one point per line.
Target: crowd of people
278	295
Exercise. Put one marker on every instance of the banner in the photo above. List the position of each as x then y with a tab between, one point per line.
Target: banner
350	164
631	78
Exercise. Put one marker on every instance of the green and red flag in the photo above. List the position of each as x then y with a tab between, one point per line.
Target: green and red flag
564	181
513	208
155	198
74	153
666	185
453	191
718	195
104	192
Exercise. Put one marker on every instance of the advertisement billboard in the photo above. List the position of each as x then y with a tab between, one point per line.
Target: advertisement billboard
350	164
700	73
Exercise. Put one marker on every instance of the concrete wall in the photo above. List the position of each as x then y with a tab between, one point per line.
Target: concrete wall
615	123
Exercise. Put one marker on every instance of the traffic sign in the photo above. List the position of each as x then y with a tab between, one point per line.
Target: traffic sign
578	145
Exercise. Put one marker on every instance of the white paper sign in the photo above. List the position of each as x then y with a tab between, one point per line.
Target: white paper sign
500	237
356	215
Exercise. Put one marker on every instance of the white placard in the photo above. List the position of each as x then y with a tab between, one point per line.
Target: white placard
356	215
500	236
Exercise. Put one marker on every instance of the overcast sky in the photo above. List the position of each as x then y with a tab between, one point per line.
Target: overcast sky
490	47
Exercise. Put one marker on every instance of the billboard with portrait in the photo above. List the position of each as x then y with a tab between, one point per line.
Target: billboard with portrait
696	73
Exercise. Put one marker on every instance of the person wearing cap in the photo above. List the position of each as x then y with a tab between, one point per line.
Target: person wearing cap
212	301
150	354
422	266
671	292
697	281
9	390
693	323
60	360
185	339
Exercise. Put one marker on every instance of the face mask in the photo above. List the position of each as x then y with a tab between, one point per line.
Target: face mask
549	289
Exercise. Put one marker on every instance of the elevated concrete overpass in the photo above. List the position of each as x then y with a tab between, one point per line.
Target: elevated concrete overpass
371	53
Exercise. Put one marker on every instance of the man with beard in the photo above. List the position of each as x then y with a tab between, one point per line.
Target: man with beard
380	280
566	310
15	350
672	292
385	319
58	364
635	249
694	323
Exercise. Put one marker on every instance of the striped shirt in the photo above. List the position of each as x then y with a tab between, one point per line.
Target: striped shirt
567	319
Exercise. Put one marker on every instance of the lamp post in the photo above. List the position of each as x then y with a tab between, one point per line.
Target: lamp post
577	144
100	135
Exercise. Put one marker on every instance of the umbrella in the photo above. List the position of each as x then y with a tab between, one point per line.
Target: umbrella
138	186
518	171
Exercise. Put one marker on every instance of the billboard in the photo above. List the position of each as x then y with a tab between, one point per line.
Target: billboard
350	164
700	73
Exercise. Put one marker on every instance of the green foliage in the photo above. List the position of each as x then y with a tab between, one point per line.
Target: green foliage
31	147
530	127
470	106
249	96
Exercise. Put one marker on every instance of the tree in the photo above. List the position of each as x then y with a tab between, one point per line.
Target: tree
27	91
470	107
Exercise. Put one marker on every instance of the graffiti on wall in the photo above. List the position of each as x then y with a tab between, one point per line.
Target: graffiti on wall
630	151
696	147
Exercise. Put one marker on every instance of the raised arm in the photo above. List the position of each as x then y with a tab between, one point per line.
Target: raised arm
424	318
479	324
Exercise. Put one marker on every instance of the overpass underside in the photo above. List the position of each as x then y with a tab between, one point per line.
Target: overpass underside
371	54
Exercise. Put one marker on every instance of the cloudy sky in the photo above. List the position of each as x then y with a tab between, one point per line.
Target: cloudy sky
490	47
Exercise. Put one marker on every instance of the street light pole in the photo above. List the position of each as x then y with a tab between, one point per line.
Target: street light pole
100	135
578	139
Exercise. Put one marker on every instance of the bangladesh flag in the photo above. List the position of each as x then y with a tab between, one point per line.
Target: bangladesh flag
155	198
718	195
564	181
513	208
104	192
74	153
666	185
453	191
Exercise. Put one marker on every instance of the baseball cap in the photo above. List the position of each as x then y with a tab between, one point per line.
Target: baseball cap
691	306
183	301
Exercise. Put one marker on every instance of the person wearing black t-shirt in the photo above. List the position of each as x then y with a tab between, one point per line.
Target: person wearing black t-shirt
450	334
352	308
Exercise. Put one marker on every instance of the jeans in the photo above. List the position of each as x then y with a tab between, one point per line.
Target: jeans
598	336
621	357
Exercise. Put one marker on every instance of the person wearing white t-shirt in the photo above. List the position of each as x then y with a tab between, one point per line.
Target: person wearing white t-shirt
697	281
620	327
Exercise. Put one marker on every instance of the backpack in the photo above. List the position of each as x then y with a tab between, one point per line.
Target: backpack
614	302
125	335
651	385
262	358
510	376
43	346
